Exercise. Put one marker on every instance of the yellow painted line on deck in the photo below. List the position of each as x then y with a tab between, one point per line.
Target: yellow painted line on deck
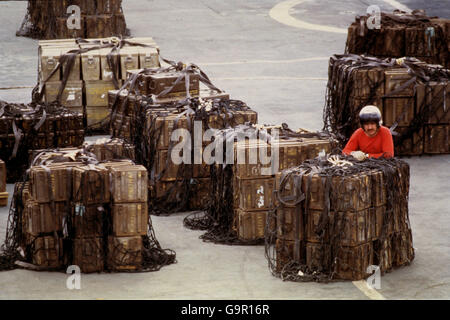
372	294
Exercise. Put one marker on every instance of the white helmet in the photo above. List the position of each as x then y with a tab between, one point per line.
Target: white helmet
370	113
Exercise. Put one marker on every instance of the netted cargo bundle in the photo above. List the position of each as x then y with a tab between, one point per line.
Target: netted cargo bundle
102	149
413	98
173	83
145	113
402	34
241	188
50	19
336	218
185	186
72	209
171	86
78	73
25	127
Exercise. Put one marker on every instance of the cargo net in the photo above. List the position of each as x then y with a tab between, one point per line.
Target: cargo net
25	127
401	34
140	119
48	19
355	81
219	220
319	230
78	225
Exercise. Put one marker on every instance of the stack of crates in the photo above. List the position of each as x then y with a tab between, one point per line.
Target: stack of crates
147	120
168	175
86	214
253	187
342	224
129	213
418	111
410	35
46	209
28	127
98	18
91	76
3	192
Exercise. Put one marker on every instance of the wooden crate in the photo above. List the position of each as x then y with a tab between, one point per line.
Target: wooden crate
129	183
396	78
436	98
90	65
129	219
288	251
156	83
398	110
250	225
290	223
437	139
72	95
411	146
47	252
88	254
255	194
88	221
91	184
52	185
45	217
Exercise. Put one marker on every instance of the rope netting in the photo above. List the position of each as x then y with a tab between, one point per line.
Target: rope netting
329	244
47	19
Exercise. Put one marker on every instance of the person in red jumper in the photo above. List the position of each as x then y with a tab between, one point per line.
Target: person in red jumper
372	140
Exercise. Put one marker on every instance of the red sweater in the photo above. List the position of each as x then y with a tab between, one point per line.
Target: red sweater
376	146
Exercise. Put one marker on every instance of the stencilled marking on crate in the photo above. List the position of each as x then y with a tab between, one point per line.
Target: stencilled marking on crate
260	191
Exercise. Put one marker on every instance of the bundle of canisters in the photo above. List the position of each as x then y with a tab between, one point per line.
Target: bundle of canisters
33	126
338	218
81	72
58	19
77	211
402	34
413	98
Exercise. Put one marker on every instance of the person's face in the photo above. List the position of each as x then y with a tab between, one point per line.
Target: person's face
370	128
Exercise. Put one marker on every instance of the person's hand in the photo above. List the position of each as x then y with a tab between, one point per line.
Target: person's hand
359	155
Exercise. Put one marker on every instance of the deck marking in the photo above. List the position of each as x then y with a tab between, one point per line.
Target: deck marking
373	294
280	13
